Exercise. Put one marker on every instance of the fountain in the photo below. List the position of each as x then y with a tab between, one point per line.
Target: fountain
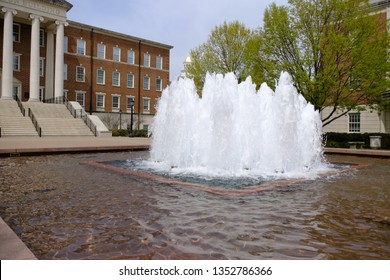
234	130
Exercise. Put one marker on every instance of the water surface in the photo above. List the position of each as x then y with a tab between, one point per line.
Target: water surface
62	209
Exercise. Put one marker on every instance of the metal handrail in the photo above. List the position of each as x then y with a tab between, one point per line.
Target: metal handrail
20	105
35	122
56	100
89	123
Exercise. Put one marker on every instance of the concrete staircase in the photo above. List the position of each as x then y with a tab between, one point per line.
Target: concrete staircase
13	123
56	120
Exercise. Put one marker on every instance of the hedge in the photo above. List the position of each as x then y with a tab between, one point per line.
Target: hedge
125	133
340	140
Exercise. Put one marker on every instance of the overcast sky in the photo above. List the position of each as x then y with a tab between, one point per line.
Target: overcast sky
182	24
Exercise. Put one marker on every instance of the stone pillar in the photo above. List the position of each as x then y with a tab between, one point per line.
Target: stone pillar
34	60
7	76
59	64
49	73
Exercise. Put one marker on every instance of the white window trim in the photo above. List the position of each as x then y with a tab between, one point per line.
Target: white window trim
148	87
147	60
66	44
132	61
104	51
127	81
77	67
83	94
115	109
161	84
19	30
146	111
65	74
119	79
100	108
119	54
84	46
97	77
159	57
41	66
16	55
127	103
359	123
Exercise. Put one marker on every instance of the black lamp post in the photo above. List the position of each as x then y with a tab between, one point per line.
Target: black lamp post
131	117
120	119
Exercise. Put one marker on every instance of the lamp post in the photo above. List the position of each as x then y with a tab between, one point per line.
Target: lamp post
131	117
120	119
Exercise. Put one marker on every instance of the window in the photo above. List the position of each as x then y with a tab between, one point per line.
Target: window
41	67
100	100
80	47
16	32
16	63
41	38
354	122
65	72
129	102
115	101
80	74
101	77
116	54
146	102
354	82
41	93
158	84
80	98
101	51
159	62
145	127
65	44
130	57
147	60
147	83
116	77
130	80
16	91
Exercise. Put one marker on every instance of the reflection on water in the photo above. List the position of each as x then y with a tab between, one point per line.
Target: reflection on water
64	210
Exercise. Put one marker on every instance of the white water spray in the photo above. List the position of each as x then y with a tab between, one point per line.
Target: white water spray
235	131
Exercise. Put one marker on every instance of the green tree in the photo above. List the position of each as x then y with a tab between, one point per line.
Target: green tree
335	50
222	53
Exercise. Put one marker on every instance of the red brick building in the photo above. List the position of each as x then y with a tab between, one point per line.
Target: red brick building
105	71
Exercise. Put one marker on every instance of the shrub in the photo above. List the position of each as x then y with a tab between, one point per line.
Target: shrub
340	140
120	132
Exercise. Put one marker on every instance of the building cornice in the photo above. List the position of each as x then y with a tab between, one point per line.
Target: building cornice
118	35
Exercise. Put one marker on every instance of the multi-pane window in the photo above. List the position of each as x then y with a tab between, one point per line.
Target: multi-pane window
100	100
116	54
158	84
80	47
41	67
354	122
80	74
147	60
101	76
41	38
130	56
130	80
146	104
16	32
101	51
65	44
65	74
129	102
16	62
115	101
159	62
147	83
116	77
80	98
41	93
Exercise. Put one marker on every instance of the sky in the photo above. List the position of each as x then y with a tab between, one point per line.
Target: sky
182	24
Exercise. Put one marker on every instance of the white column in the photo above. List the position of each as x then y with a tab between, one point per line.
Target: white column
7	76
59	64
49	73
34	59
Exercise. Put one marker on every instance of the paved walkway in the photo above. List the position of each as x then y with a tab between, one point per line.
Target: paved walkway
11	146
11	247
